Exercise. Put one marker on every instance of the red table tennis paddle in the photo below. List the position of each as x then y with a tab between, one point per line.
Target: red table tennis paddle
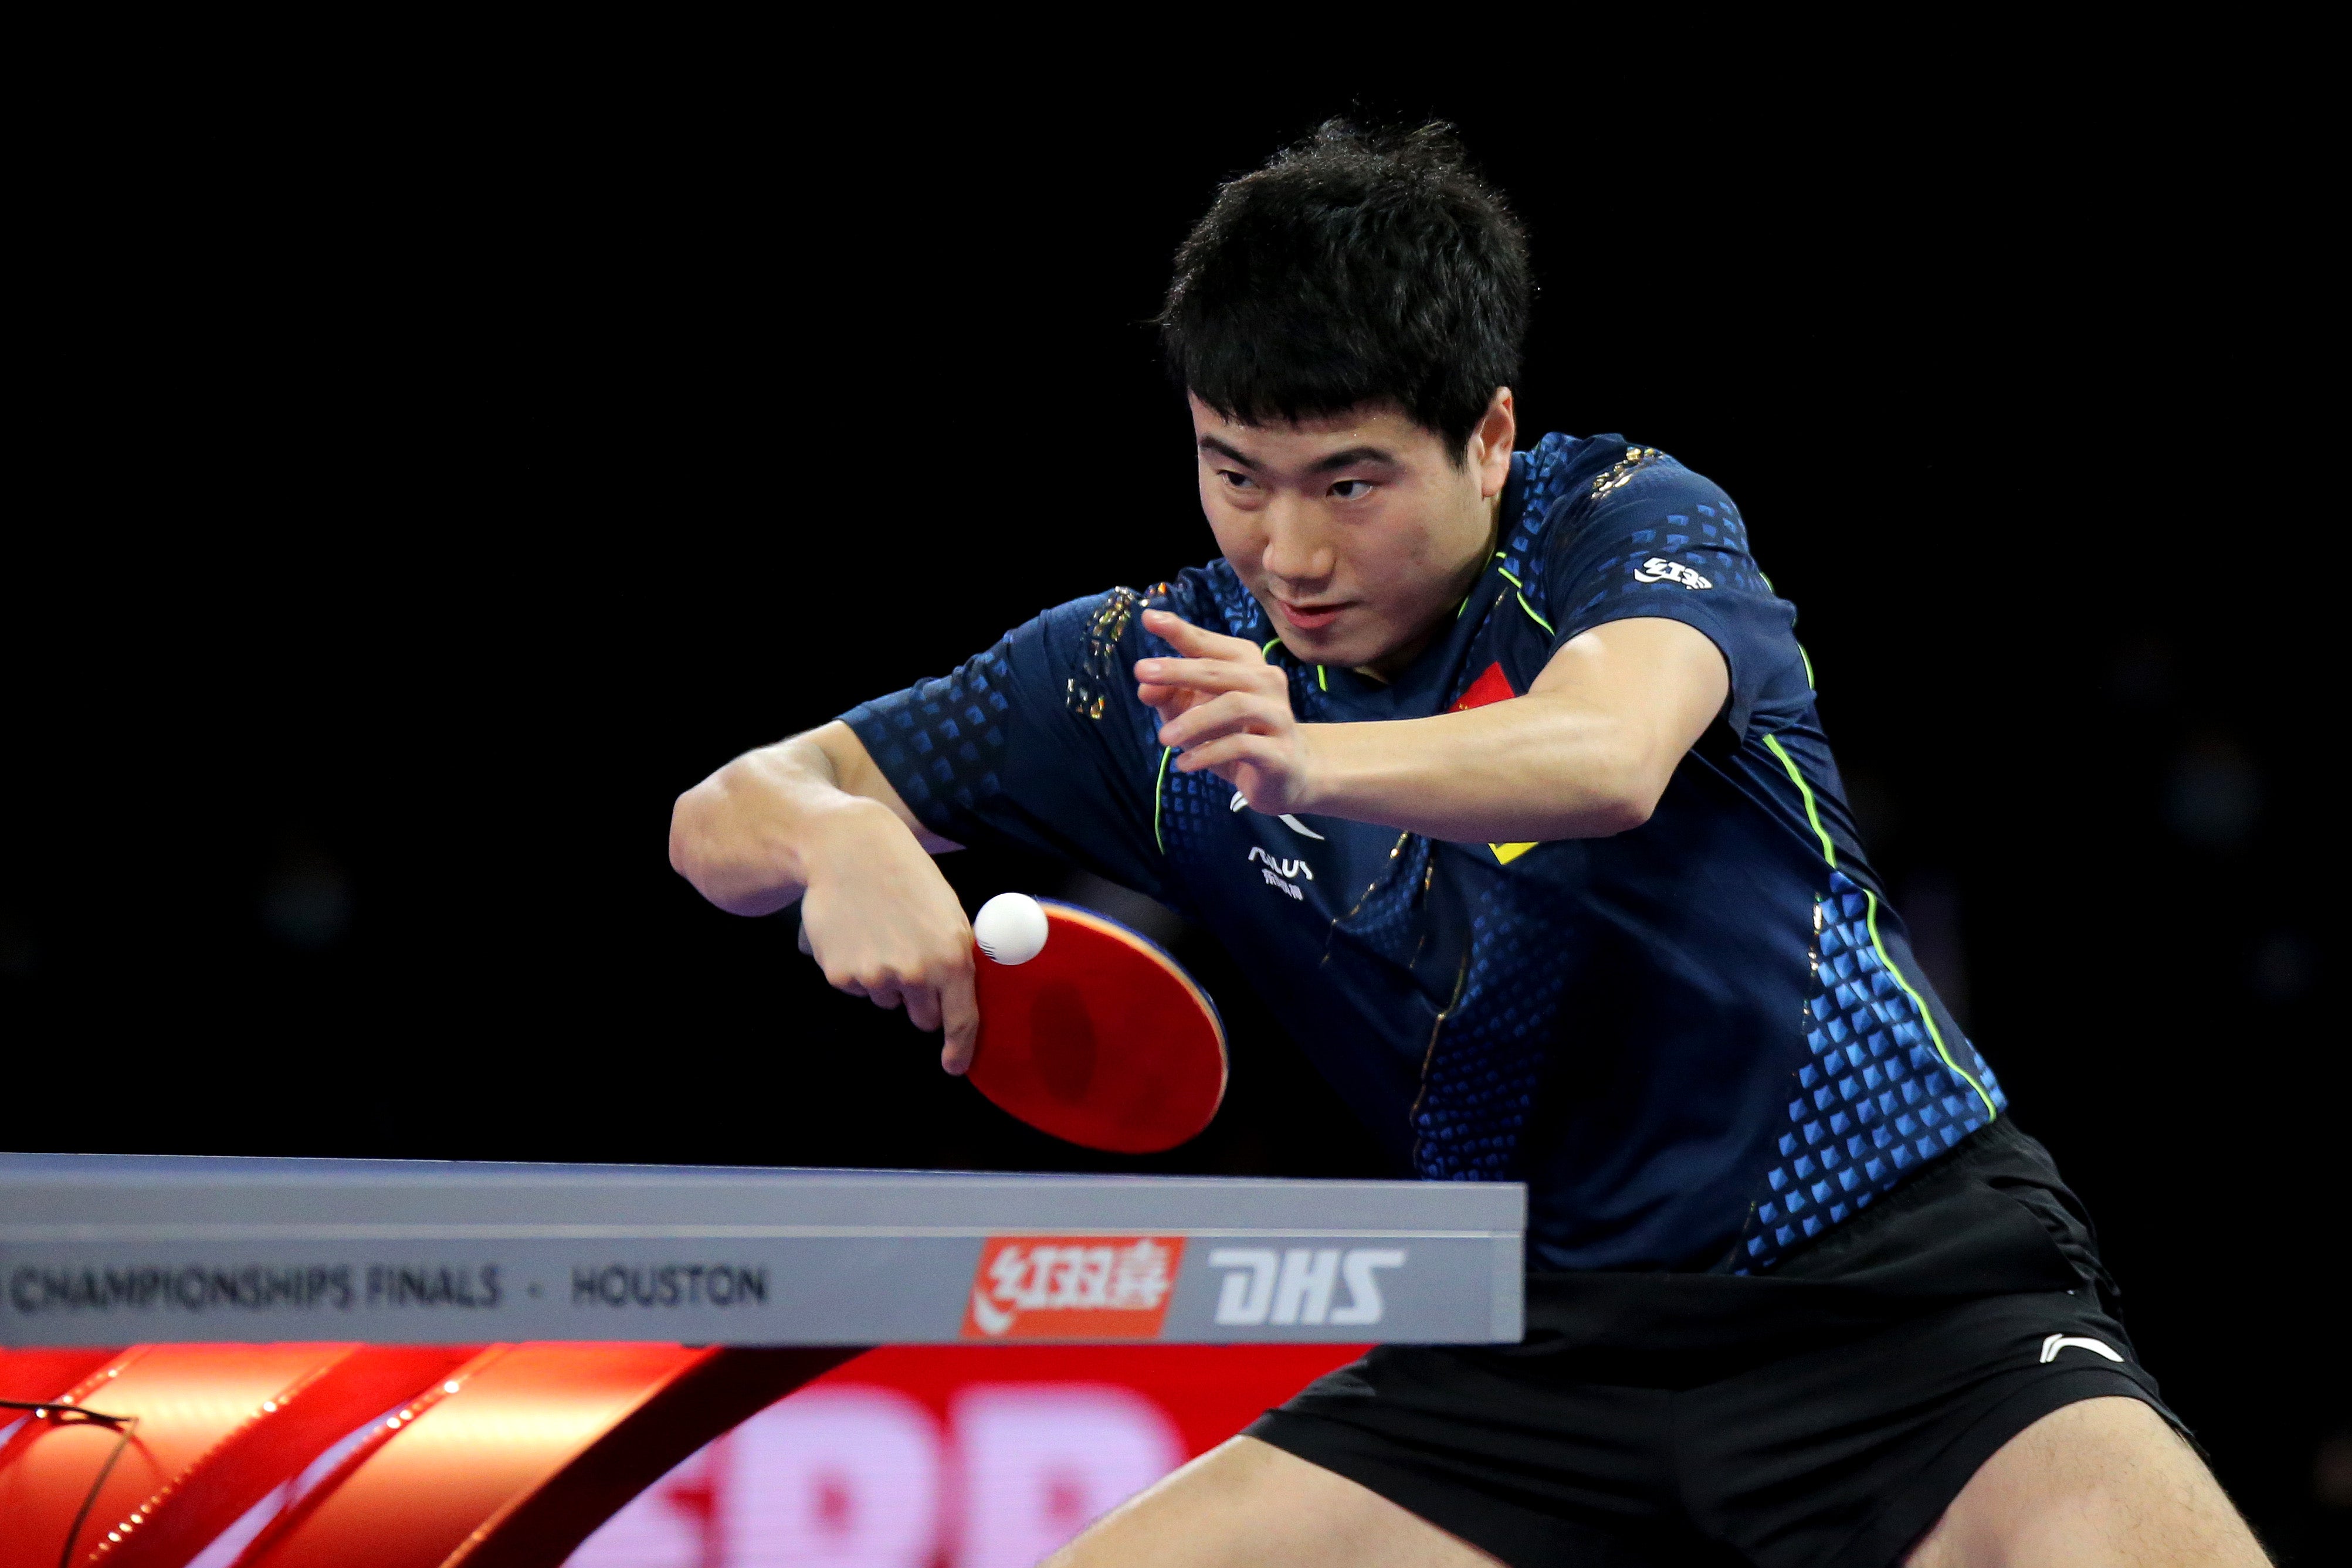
1100	1040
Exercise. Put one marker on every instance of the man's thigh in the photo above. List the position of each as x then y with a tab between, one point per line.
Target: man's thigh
1247	1504
2096	1482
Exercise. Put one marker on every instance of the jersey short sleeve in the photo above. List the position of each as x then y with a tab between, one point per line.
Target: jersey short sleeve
1649	537
1038	743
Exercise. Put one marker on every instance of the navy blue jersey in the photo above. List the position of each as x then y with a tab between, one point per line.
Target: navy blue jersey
1699	1042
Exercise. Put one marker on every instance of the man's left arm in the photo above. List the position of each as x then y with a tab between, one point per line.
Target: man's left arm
1586	753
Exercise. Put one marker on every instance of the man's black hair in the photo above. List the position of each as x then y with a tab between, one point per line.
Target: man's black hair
1357	266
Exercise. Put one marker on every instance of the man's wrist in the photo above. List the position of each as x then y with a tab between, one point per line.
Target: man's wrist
840	831
1328	757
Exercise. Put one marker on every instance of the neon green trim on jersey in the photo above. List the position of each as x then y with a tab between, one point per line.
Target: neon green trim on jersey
1158	788
1464	608
1811	685
1530	609
1322	678
1829	853
1813	813
1921	1003
1270	642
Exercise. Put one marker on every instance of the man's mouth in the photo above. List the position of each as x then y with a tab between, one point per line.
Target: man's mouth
1309	617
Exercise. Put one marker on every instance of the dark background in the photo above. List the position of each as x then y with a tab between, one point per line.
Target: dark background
424	494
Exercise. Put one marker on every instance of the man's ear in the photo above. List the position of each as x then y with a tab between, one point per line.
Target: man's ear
1490	444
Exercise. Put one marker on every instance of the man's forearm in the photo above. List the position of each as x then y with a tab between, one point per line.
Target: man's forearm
1532	768
1585	753
745	835
813	820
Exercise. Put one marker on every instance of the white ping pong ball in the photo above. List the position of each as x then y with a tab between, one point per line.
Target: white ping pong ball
1010	928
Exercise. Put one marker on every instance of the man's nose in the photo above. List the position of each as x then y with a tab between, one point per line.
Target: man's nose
1296	552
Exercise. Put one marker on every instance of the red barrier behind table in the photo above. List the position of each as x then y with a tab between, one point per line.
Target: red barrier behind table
944	1457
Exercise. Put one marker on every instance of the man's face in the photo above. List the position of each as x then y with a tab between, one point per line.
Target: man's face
1357	533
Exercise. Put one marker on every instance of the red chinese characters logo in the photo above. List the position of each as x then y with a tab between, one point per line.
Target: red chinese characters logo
1073	1287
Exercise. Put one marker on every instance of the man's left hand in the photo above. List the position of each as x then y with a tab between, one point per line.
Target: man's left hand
1226	711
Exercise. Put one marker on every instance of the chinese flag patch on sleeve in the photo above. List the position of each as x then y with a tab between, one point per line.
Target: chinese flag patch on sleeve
1492	686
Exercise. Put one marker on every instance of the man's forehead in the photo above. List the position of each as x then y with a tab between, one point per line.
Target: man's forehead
1283	444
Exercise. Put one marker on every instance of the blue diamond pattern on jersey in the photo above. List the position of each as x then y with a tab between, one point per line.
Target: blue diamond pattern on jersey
1543	473
1235	607
1189	804
1478	1085
1877	1099
944	744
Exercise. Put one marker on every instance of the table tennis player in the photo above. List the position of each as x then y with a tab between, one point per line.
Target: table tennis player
1498	769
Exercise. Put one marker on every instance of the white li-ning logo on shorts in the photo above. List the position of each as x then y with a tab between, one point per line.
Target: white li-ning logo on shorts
1658	568
1262	1286
2058	1342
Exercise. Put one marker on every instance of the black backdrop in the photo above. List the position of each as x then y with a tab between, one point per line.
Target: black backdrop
434	498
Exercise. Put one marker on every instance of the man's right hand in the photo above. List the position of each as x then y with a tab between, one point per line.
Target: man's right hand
883	924
813	819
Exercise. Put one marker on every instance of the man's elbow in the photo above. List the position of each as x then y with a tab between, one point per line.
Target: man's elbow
1626	801
698	822
1621	813
686	816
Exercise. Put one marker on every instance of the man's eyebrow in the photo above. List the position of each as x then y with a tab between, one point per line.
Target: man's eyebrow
1351	458
1347	458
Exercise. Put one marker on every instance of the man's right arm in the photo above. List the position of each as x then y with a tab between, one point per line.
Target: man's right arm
813	819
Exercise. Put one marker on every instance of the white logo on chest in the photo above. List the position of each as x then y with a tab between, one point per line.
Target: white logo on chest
1240	802
1279	872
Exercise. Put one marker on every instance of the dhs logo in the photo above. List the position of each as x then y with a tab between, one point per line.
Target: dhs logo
1298	1286
1658	568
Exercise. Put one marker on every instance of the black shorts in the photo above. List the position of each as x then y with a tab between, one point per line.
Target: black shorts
1823	1414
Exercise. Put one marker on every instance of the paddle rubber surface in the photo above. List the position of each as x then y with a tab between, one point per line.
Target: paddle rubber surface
1100	1040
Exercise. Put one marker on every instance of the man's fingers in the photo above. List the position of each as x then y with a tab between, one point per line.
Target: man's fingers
1202	675
885	996
803	940
1165	701
1219	716
960	1016
1220	756
1187	638
922	1007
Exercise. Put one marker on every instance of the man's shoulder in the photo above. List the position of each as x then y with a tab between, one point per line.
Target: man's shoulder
1563	482
1576	489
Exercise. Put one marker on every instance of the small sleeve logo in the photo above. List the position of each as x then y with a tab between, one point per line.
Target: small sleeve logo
1658	568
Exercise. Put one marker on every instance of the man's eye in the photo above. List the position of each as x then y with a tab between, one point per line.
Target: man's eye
1238	481
1349	489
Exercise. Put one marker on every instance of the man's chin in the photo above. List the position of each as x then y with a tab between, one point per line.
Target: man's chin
1337	648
